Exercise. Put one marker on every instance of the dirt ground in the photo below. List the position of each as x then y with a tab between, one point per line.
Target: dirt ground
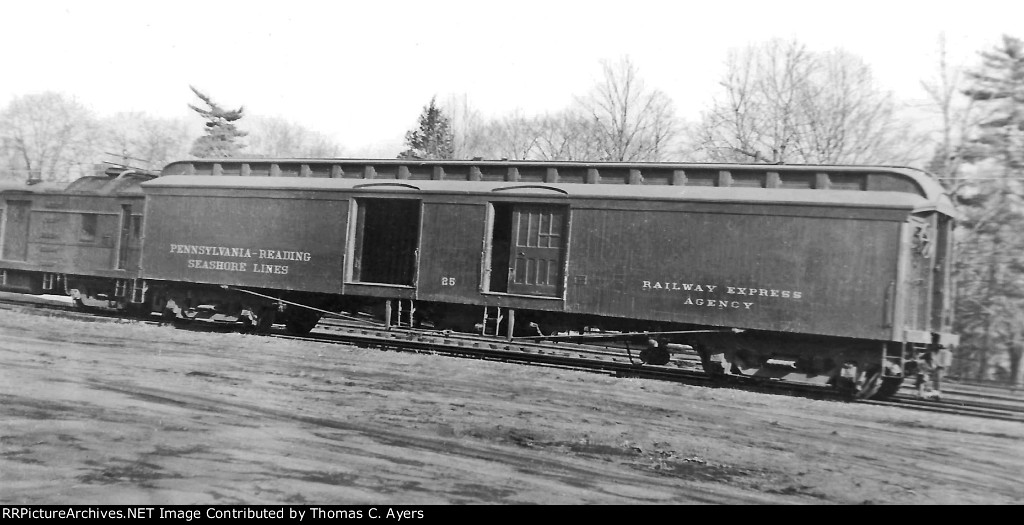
130	413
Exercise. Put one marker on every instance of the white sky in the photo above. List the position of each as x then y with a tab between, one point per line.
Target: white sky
362	71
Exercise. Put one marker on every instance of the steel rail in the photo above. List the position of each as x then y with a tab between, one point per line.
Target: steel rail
685	367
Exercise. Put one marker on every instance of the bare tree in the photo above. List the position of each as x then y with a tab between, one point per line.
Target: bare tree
783	103
756	121
957	118
469	136
513	136
630	121
569	135
566	135
619	120
278	137
146	141
47	136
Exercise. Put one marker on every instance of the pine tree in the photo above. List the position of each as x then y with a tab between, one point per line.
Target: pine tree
433	139
999	87
221	137
992	253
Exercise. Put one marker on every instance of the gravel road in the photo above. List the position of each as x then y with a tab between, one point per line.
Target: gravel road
132	413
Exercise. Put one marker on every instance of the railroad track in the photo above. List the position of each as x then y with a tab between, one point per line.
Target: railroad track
684	367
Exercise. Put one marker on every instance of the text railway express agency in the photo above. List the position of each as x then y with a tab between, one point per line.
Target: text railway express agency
733	295
240	253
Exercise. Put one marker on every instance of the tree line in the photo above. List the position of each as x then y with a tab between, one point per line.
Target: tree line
781	103
778	102
53	137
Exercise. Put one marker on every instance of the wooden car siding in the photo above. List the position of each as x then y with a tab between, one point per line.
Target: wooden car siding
58	243
835	265
838	259
177	226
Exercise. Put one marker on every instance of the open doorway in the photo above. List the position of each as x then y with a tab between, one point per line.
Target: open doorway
387	233
125	238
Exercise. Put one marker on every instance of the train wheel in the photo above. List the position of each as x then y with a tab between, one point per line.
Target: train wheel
878	387
138	310
872	382
655	356
713	364
302	323
265	320
247	321
889	387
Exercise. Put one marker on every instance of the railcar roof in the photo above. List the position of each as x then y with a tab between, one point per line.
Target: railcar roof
124	184
924	183
839	198
24	187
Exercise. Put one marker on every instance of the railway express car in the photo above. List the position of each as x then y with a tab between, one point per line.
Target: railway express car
827	274
82	239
